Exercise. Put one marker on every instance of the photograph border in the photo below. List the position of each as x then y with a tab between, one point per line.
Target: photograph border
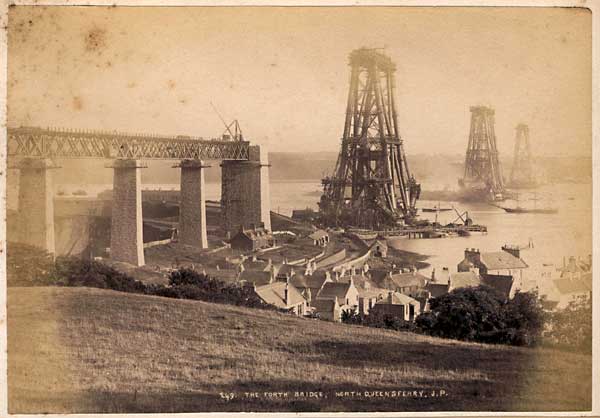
592	5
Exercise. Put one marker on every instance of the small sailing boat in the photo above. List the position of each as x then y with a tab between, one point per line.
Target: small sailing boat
535	209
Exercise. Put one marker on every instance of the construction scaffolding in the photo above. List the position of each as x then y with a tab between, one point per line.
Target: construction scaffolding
371	186
522	174
482	178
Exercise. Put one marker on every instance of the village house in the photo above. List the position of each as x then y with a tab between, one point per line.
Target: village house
440	276
310	285
575	281
319	238
252	239
328	309
282	295
379	248
502	270
258	272
436	289
403	282
571	289
398	305
368	292
345	293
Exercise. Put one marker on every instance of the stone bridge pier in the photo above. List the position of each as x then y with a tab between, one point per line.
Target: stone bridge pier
192	204
36	205
245	197
126	229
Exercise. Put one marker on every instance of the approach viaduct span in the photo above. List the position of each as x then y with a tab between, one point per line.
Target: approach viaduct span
244	187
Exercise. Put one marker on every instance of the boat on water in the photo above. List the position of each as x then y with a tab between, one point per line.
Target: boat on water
520	209
435	209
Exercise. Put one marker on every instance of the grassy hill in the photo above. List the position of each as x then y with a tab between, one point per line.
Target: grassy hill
89	350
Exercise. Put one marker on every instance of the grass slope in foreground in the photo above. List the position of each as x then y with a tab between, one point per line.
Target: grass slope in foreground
90	350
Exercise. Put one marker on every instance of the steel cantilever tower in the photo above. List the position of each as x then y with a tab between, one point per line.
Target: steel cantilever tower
371	186
483	176
522	174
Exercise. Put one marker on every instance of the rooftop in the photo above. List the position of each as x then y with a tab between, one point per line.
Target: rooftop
500	260
437	289
398	299
302	281
464	279
574	285
274	294
403	280
258	277
332	290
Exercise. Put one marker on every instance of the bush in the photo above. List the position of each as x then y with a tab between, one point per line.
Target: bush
29	266
571	327
188	284
378	319
481	314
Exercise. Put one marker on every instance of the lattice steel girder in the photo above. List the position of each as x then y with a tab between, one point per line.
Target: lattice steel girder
50	143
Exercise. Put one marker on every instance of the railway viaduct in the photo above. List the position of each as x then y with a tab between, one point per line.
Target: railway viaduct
244	187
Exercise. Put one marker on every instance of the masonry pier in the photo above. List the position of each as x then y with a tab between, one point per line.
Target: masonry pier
126	231
245	198
36	204
192	207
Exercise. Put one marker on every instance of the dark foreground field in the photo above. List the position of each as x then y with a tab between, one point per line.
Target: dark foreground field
88	350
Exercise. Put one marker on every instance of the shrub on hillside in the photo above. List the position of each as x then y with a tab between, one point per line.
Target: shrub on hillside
71	271
483	315
189	284
28	266
377	319
571	327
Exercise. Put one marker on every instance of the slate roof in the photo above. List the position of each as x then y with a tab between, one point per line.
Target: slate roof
575	285
464	279
372	293
258	277
501	260
437	289
285	269
502	284
255	265
332	290
302	281
359	281
403	280
274	294
398	299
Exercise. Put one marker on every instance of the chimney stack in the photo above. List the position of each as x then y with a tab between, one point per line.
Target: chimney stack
285	292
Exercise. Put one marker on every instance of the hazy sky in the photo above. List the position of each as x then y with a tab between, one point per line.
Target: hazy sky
283	71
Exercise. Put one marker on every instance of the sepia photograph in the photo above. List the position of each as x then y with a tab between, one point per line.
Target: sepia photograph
303	209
